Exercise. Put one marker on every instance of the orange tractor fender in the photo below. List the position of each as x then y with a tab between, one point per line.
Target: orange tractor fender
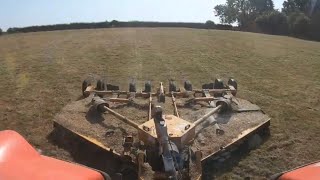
309	171
19	160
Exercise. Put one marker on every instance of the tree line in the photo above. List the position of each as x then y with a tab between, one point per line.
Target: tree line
208	25
299	18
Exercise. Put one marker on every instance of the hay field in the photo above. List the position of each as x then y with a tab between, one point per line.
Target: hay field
41	72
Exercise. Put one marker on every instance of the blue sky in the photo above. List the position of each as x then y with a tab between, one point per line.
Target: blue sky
19	13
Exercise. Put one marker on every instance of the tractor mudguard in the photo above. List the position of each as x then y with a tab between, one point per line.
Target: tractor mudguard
19	160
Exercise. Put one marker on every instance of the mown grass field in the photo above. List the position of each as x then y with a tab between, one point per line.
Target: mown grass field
42	72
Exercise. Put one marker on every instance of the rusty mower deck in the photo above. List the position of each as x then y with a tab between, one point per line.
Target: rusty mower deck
98	139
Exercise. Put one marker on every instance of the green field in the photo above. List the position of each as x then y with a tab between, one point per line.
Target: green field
42	72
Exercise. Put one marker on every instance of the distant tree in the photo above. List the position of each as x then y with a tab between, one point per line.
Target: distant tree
298	24
12	30
114	23
210	24
243	12
226	13
303	17
0	31
261	6
315	26
291	6
273	22
298	17
315	8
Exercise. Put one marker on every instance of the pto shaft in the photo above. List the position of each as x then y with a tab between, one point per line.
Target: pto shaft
203	118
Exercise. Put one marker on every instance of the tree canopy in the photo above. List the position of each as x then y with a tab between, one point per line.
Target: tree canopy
291	6
303	17
273	22
210	24
242	11
298	17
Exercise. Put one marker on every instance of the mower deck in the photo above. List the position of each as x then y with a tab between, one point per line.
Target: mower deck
106	133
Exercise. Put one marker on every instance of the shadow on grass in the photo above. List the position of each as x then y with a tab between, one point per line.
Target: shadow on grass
132	104
80	97
216	168
94	117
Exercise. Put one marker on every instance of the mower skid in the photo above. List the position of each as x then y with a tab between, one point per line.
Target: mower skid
93	141
225	154
91	152
261	129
